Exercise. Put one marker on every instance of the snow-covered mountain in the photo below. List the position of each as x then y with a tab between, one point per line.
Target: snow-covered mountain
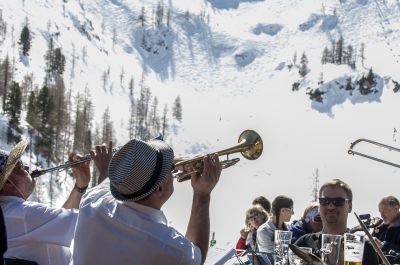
233	64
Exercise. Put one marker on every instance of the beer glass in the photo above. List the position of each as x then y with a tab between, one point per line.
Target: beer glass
330	248
281	243
353	248
296	260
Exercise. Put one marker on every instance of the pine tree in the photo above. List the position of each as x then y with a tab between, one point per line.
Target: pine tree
159	14
339	51
59	116
142	17
26	88
25	40
131	123
104	79
154	121
349	85
48	57
58	65
131	87
316	95
164	122
14	105
325	56
303	70
107	127
32	112
177	109
5	78
362	53
45	107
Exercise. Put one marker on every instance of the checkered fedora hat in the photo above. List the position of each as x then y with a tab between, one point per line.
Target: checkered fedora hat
138	168
8	160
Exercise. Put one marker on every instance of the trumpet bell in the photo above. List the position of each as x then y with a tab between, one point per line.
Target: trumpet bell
250	145
254	151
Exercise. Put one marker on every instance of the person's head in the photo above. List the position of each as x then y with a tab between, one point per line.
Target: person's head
282	209
14	175
389	209
312	218
263	202
335	203
142	172
255	216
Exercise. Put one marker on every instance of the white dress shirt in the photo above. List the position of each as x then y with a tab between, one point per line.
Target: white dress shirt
127	233
37	232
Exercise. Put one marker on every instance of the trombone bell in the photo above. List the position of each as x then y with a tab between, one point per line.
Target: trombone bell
250	145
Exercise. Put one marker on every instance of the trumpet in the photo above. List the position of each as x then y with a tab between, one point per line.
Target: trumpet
37	173
250	145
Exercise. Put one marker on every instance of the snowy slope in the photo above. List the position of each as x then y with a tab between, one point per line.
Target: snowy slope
232	73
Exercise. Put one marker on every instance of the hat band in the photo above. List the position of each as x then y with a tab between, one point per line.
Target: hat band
153	179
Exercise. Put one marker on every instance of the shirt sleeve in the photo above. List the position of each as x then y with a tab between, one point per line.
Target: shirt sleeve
49	225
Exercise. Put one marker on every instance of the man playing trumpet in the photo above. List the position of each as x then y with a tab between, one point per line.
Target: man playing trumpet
121	221
36	232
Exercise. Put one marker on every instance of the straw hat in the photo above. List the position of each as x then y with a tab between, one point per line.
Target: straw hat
138	168
8	160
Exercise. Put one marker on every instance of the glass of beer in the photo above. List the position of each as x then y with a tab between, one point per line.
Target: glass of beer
330	248
353	248
281	242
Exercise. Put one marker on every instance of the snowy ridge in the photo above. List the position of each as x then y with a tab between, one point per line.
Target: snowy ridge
232	64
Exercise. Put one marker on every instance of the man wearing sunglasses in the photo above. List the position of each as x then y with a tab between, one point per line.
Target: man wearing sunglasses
335	203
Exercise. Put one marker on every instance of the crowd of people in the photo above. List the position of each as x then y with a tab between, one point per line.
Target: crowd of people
327	216
120	220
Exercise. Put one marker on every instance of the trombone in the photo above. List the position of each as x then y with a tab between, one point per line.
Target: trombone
250	145
390	148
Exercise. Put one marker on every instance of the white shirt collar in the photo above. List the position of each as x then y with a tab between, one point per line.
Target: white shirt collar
152	213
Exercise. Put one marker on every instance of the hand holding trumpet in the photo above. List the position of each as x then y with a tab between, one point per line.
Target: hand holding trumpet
204	180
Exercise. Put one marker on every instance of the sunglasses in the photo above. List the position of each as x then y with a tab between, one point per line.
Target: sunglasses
338	201
317	219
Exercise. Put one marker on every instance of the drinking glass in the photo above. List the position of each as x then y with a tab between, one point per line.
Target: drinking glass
281	243
330	248
353	248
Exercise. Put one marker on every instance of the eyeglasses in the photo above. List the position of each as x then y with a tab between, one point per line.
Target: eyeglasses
337	202
253	217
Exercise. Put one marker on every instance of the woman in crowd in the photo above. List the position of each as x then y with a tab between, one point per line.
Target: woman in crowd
255	216
310	222
282	211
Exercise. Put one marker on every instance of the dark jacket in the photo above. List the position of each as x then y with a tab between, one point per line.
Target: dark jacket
314	241
390	236
298	229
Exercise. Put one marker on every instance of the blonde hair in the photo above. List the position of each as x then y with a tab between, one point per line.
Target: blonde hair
256	210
